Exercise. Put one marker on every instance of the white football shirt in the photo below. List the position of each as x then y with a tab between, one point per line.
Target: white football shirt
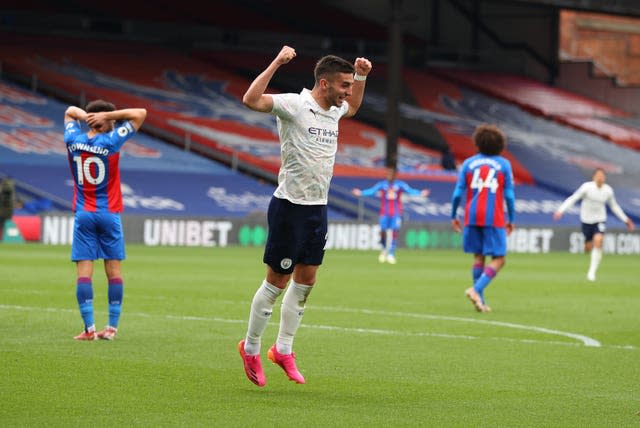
594	200
308	146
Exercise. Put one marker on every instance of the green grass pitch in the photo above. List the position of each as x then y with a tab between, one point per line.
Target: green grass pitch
380	345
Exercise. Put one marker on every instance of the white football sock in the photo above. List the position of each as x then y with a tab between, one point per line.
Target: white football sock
261	310
291	314
596	257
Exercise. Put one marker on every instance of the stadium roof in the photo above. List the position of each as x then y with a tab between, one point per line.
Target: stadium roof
620	7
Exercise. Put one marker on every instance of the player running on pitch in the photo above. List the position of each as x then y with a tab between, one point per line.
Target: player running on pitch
595	195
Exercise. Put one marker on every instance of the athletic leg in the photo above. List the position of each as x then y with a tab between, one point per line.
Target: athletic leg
84	296
292	310
262	308
2	222
478	267
384	238
293	302
259	315
84	252
115	294
494	243
596	256
488	274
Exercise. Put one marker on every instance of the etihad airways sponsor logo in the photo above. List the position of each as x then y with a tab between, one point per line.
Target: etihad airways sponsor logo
323	132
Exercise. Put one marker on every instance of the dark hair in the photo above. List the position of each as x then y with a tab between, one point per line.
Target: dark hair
97	106
599	169
489	139
331	64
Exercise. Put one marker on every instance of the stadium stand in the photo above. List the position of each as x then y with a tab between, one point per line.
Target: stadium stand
194	102
558	156
543	152
118	13
547	161
184	94
373	111
565	107
157	178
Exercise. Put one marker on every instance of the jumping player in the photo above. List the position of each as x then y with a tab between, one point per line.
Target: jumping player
97	203
486	179
297	215
391	191
595	195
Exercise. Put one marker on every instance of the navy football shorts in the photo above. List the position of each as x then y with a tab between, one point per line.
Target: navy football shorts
588	230
97	236
297	234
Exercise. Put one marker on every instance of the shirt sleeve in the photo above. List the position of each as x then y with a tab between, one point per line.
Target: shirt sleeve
71	131
616	209
122	132
461	185
509	193
373	189
286	106
571	200
408	189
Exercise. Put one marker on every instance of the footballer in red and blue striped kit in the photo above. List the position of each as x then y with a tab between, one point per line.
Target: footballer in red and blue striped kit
486	180
390	191
94	165
97	202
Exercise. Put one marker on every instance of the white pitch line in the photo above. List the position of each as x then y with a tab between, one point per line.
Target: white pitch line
449	336
590	342
587	341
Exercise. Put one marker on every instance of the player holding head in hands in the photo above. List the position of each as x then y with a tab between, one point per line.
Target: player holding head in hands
97	203
297	215
486	179
391	190
595	195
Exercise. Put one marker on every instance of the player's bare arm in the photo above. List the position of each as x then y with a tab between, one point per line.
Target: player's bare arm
134	115
363	68
255	98
455	225
74	113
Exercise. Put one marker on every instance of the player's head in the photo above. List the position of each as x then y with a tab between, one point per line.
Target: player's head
392	172
599	176
334	77
489	139
98	106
